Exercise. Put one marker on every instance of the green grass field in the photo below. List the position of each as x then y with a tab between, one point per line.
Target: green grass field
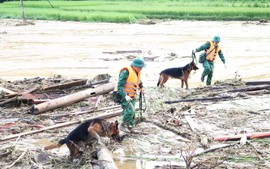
125	11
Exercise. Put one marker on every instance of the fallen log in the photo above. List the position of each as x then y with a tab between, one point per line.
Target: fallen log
72	98
250	88
200	99
103	116
105	159
239	136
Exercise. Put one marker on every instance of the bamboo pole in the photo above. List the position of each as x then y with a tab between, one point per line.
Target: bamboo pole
103	116
72	98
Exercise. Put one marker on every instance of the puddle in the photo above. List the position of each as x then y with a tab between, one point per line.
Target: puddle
159	147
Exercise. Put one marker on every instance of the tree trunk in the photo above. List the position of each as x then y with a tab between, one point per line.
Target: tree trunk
70	99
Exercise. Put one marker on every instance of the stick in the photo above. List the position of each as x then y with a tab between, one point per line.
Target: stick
98	101
170	129
65	85
103	116
199	99
216	148
257	82
250	88
21	156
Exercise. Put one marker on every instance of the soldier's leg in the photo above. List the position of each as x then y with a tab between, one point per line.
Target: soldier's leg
206	70
210	75
129	115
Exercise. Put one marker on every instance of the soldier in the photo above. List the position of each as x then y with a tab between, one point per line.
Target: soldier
128	83
211	49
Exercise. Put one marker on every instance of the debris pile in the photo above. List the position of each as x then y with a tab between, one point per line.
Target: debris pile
216	125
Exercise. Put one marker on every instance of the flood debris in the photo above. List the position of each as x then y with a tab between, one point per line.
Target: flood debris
195	124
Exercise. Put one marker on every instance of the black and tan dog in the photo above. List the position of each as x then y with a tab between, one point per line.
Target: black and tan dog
178	73
95	128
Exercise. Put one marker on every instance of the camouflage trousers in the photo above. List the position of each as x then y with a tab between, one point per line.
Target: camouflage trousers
128	112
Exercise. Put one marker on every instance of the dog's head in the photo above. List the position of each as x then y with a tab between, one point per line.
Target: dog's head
193	66
114	131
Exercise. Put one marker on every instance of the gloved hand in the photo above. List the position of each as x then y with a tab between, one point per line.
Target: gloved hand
128	98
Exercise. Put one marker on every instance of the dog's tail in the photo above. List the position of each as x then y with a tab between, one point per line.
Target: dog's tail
158	81
55	145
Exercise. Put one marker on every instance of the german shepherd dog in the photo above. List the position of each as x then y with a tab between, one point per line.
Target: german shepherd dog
178	73
95	128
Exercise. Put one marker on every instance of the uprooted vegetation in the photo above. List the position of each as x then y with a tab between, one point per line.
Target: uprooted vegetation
198	117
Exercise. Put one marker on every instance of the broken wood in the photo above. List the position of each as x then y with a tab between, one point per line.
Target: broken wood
250	88
21	93
195	127
105	159
18	159
239	136
72	98
103	116
213	148
200	99
89	85
257	82
2	89
65	85
172	129
258	92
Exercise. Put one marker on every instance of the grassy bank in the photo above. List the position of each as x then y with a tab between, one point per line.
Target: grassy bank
120	11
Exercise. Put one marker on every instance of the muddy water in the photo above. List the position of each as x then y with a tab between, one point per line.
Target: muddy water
75	50
156	148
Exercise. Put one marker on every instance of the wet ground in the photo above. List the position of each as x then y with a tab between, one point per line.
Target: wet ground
84	50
